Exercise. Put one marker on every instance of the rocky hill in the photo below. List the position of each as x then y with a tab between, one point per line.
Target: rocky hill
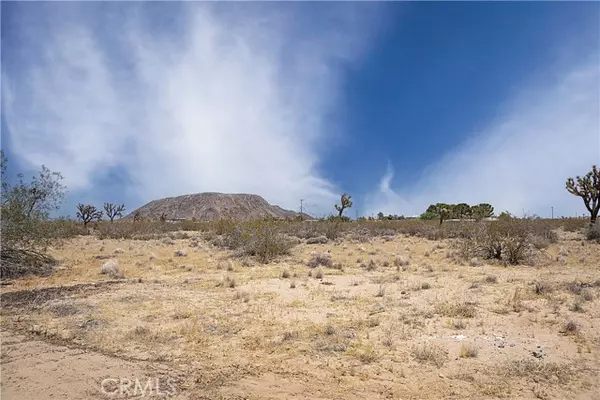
213	206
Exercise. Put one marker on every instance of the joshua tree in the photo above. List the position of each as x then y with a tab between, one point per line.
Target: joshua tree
588	188
88	213
113	210
444	210
462	210
346	202
163	217
482	210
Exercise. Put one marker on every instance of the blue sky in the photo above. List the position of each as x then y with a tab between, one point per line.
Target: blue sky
399	104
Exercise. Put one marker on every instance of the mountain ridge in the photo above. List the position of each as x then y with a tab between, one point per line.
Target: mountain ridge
210	206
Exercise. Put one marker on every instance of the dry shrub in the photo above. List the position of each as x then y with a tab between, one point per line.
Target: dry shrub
592	232
430	353
111	268
317	240
224	226
401	261
370	266
570	327
180	253
509	240
228	281
241	295
65	229
333	229
261	239
322	259
540	242
541	287
168	241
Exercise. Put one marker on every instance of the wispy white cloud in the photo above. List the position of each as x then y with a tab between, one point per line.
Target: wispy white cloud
547	132
228	97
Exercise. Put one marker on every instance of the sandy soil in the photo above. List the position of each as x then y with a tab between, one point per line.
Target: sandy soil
414	324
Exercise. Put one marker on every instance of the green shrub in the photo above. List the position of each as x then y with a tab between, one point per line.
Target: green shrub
25	212
261	239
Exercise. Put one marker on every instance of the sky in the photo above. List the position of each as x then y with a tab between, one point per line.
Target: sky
399	104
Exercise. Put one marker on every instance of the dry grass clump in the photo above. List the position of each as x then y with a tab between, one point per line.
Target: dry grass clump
168	241
575	287
456	310
401	261
319	273
541	287
538	369
228	281
468	351
111	268
370	266
180	253
457	324
320	259
182	314
475	262
242	295
587	295
365	352
577	306
430	353
491	279
329	330
285	274
65	308
289	336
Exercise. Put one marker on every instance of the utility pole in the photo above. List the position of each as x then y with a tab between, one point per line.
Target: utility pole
552	207
301	207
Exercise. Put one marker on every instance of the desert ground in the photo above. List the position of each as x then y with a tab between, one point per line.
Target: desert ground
382	317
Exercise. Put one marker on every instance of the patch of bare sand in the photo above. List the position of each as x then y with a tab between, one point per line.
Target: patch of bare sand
34	369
